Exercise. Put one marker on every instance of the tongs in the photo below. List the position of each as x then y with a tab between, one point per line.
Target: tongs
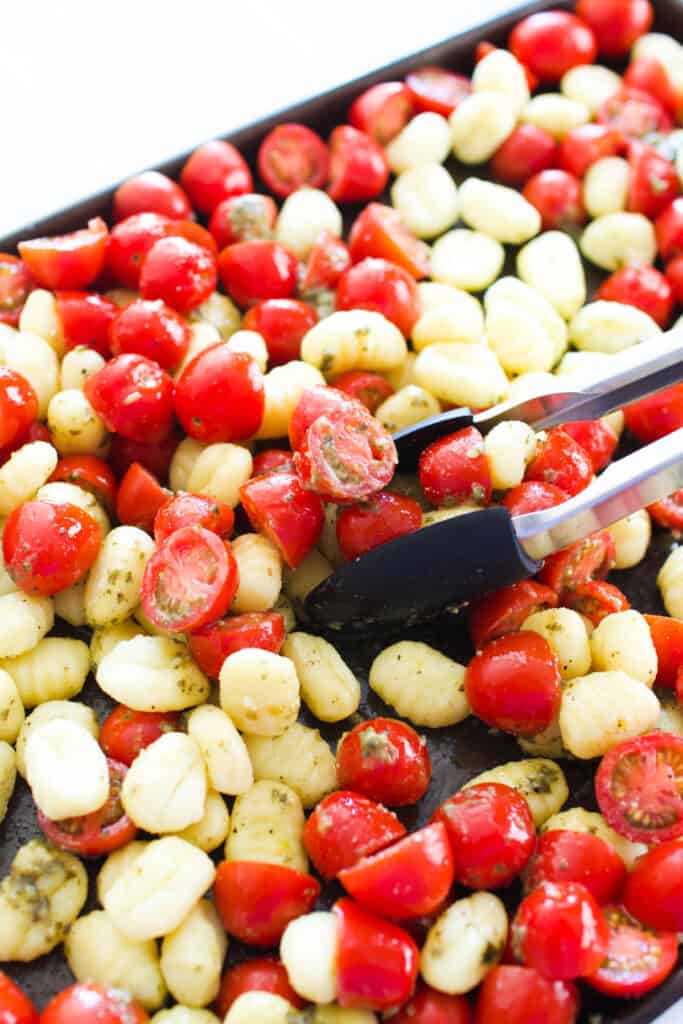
451	562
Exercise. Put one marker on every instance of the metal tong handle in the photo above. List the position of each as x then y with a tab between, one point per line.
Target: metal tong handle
631	483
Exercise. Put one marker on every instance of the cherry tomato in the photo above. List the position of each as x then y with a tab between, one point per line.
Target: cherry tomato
129	243
427	1006
669	230
410	878
533	496
551	43
667	636
634	113
315	402
125	732
36	432
520	995
346	455
653	183
15	1007
220	395
653	893
585	145
491	831
151	192
154	457
273	460
513	683
151	328
505	610
185	509
345	827
18	406
386	760
484	48
616	24
190	580
139	498
571	915
674	275
454	470
595	599
292	517
597	437
528	150
382	111
669	512
16	283
134	397
639	786
382	518
381	286
261	974
181	273
254	271
214	172
563	855
47	547
359	170
243	218
563	462
211	644
67	261
656	416
87	1003
379	231
557	197
193	232
370	389
645	288
90	473
282	323
327	261
588	559
377	961
638	959
86	319
292	156
435	89
650	75
257	901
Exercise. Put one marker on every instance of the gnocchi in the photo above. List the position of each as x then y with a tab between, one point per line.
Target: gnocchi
192	956
165	787
259	690
623	641
55	669
267	825
328	686
152	673
421	683
300	758
538	779
498	211
427	199
113	587
600	709
465	942
466	259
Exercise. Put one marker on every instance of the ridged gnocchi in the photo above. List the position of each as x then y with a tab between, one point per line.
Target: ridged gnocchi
300	758
152	673
259	690
421	683
328	686
601	709
55	669
465	942
266	825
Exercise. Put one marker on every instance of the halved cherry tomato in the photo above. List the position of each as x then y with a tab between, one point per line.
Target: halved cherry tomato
589	559
667	636
211	644
67	261
154	457
134	397
585	145
528	150
595	599
381	518
381	286
653	893
520	995
18	406
634	113
571	915
185	509
152	329
454	470
344	827
669	512
563	855
386	760
377	961
637	960
220	395
379	231
436	89
291	516
273	460
257	270
256	901
484	48
551	43
428	1006
327	261
99	833
282	323
243	218
639	786
47	547
15	1007
382	111
533	496
214	172
130	241
190	580
558	198
563	462
370	389
359	170
151	192
616	23
491	831
505	610
669	230
87	1003
139	498
292	156
645	288
261	974
16	283
86	319
125	732
656	416
653	181
315	402
180	272
596	437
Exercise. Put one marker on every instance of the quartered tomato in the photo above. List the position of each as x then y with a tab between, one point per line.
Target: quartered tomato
528	150
370	389
327	261
656	416
292	156
16	283
18	406
139	498
557	196
669	512
562	462
134	397
243	218
257	270
15	1007
436	89
316	402
616	24
180	272
261	974
382	518
585	145
667	636
256	901
428	1006
595	599
520	995
67	261
551	43
653	893
151	328
386	760
533	496
211	644
634	113
359	170
47	548
185	509
130	241
99	833
220	395
280	507
505	610
571	915
214	172
282	323
87	1003
379	231
151	192
596	437
382	111
381	286
190	580
454	470
345	827
86	319
562	855
588	559
637	960
125	732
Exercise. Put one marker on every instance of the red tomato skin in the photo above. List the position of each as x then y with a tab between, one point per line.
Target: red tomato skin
68	262
634	113
314	402
638	959
562	462
139	498
273	460
257	270
585	145
557	196
370	389
674	275
379	231
290	157
568	912
667	636
359	169
151	328
656	416
382	111
36	432
86	319
134	397
260	974
645	288
552	43
130	241
385	760
653	182
505	610
87	1003
528	150
292	517
15	1007
215	171
427	1006
360	528
256	901
616	24
90	473
653	892
48	547
454	470
491	832
181	273
596	437
563	855
211	644
125	732
669	512
669	230
151	192
220	395
383	287
377	961
327	261
243	218
282	323
533	496
186	509
595	599
588	559
154	457
513	683
410	878
520	995
18	406
345	827
16	283
649	75
435	89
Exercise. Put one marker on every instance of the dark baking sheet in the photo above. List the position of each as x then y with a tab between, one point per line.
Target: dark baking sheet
457	753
